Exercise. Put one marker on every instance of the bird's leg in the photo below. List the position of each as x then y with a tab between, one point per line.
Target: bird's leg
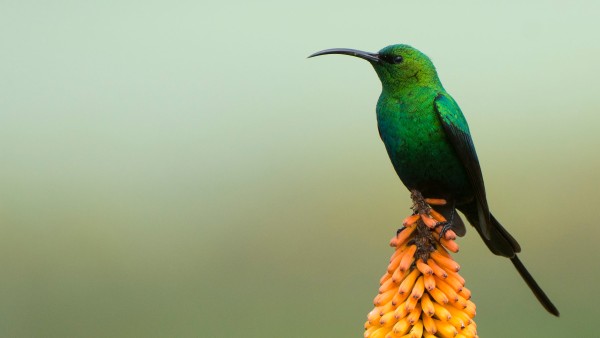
447	225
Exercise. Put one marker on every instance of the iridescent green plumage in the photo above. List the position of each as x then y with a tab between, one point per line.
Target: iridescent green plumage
428	141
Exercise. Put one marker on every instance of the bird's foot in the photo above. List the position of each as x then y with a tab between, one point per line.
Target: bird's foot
445	227
427	223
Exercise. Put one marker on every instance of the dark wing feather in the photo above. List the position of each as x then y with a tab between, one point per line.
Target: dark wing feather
457	131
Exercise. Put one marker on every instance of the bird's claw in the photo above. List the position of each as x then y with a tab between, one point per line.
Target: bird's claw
445	227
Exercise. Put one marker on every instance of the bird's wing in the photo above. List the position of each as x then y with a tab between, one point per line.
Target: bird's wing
457	131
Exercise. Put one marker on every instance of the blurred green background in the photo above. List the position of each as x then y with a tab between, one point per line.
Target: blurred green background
180	169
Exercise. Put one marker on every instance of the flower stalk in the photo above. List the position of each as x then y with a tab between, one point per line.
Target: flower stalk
421	294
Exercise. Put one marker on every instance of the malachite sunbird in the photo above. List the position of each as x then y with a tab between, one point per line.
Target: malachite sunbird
428	141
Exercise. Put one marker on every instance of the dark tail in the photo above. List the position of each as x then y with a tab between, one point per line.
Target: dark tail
502	243
533	285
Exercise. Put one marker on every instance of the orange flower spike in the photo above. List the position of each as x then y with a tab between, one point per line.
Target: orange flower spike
445	262
408	282
410	220
435	201
430	222
449	244
424	268
418	289
429	325
408	258
422	298
437	270
427	306
437	216
429	282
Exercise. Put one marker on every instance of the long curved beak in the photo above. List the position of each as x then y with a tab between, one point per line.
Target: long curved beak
371	57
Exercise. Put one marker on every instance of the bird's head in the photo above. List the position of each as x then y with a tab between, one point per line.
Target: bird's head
398	66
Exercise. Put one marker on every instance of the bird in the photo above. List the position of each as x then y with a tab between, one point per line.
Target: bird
431	149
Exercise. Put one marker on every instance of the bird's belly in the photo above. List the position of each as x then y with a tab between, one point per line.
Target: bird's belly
424	159
431	171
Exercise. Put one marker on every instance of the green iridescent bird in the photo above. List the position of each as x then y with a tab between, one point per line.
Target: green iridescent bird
428	141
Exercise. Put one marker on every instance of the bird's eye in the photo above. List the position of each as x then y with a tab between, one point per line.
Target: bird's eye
397	59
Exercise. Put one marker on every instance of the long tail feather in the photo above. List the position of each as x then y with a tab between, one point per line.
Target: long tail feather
533	285
503	244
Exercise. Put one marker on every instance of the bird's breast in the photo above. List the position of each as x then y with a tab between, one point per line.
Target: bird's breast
417	145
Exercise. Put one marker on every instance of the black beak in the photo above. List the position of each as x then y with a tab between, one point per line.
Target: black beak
371	57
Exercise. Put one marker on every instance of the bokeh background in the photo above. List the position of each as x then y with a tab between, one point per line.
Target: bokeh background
180	169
